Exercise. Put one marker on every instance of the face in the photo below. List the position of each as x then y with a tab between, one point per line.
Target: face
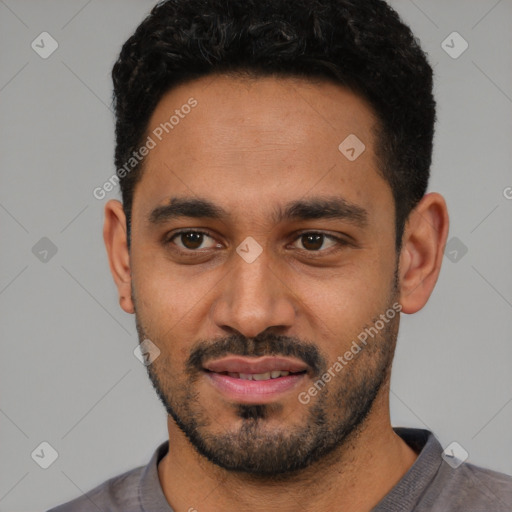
260	256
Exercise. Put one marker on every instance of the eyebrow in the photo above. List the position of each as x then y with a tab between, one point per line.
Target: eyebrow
304	209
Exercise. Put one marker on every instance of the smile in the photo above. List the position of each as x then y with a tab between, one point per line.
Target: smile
255	380
259	376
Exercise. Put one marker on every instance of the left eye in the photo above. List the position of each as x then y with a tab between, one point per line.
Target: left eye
314	241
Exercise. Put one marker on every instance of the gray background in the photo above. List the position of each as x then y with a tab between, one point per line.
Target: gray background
68	373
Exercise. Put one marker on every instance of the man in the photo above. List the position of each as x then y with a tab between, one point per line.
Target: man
273	157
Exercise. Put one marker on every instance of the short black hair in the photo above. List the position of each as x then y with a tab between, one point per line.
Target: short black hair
359	44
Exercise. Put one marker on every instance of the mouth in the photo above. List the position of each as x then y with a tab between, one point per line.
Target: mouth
255	380
275	374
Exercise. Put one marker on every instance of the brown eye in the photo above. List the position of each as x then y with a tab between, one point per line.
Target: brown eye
315	241
191	240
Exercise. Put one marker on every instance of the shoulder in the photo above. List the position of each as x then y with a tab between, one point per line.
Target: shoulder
119	493
470	488
133	491
432	484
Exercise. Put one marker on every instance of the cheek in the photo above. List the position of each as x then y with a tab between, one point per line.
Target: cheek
361	284
159	289
340	307
340	316
159	306
170	305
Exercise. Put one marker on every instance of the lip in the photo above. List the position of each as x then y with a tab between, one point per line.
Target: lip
254	391
238	364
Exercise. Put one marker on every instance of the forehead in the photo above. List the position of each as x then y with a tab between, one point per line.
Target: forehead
248	142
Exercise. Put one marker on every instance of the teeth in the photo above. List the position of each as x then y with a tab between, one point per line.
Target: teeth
260	376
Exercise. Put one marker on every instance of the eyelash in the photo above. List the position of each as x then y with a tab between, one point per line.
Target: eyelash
339	241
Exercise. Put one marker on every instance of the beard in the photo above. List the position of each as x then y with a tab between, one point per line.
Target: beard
335	415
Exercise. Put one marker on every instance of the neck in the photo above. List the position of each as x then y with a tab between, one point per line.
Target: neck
355	477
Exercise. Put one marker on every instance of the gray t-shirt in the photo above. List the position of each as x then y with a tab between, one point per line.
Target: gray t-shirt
430	484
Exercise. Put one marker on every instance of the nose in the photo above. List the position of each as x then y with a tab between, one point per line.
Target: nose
254	297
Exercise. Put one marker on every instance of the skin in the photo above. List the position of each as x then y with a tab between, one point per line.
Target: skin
249	146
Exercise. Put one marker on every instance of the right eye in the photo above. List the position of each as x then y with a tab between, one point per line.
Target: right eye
191	240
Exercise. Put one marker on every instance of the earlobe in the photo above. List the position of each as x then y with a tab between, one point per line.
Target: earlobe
422	251
114	236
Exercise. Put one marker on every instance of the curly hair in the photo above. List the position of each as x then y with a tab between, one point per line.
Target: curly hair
359	44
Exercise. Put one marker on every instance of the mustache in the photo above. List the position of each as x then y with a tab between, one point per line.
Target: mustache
266	344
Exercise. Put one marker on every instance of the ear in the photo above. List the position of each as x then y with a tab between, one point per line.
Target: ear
114	235
423	244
